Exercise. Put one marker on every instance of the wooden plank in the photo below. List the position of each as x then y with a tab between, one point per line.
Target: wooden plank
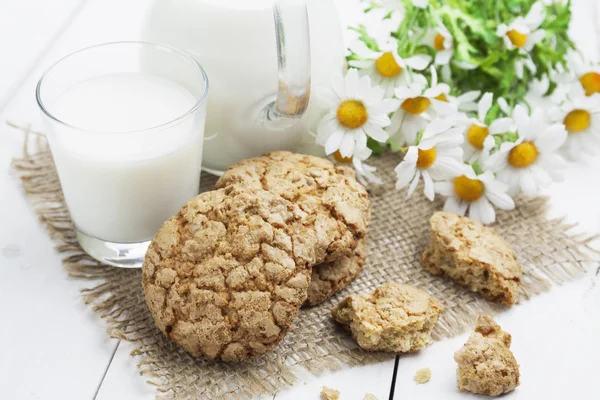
58	348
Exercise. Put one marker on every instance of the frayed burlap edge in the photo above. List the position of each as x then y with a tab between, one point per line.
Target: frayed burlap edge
397	237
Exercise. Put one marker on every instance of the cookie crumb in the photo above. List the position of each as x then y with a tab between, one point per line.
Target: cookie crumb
474	256
330	394
370	396
395	318
485	363
423	376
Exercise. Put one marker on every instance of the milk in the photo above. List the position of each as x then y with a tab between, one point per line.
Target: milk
121	178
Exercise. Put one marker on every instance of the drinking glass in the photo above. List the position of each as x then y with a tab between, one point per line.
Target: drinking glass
125	123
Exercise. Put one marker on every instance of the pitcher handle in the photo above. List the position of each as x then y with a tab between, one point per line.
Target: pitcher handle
293	56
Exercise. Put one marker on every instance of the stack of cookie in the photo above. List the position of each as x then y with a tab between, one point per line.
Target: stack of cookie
226	277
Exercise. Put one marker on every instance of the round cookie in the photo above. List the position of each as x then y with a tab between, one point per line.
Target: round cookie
338	204
226	276
331	277
331	194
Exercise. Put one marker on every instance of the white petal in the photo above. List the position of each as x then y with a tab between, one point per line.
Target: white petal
434	76
443	57
455	205
484	106
536	37
501	125
469	96
347	145
403	93
413	184
333	142
484	210
405	172
446	168
376	132
386	106
521	117
552	139
499	197
445	188
418	62
536	15
519	69
429	190
370	95
327	126
504	106
527	184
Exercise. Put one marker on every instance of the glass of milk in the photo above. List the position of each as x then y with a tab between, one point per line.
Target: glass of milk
126	137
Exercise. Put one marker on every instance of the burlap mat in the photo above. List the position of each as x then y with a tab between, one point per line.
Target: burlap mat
397	237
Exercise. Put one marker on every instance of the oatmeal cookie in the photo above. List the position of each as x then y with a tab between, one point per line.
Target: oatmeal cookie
474	256
226	276
394	318
485	363
337	204
330	277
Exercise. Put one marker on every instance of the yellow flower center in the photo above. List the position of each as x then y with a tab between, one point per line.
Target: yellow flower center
468	189
590	82
517	38
387	66
352	114
416	105
476	135
426	158
523	155
438	42
341	159
442	97
577	120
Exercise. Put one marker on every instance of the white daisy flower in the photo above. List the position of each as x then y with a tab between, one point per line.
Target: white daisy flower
586	72
419	104
437	156
398	4
479	136
523	34
440	39
580	115
356	111
477	194
385	67
531	163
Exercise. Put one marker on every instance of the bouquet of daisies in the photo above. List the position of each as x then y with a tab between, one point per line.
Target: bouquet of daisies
482	99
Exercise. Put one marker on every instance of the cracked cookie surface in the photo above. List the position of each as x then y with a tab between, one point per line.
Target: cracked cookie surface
338	204
226	276
330	277
474	256
394	318
485	363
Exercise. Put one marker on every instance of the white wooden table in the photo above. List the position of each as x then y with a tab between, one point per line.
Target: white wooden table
53	347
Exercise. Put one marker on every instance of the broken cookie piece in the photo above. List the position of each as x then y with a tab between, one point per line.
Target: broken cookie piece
394	318
423	376
330	394
474	256
485	363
